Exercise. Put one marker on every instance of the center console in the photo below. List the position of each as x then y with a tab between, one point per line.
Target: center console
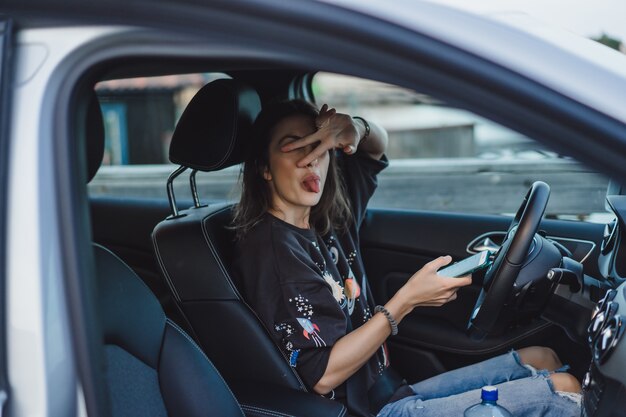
604	392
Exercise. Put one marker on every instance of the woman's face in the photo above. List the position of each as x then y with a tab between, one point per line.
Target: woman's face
293	187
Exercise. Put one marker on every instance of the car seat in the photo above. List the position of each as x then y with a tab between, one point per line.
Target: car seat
194	247
152	367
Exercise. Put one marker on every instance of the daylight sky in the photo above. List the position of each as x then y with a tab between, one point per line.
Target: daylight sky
588	18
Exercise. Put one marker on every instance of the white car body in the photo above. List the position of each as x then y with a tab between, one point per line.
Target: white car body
41	358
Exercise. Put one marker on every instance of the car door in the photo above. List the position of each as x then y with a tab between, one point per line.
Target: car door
395	243
453	183
5	65
395	53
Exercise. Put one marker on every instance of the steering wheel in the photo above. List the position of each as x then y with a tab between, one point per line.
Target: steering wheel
501	276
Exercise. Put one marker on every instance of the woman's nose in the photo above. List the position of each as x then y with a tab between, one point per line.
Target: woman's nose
314	162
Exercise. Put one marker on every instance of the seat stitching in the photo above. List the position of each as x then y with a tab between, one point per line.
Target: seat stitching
195	345
170	283
125	265
278	413
214	250
125	349
265	411
182	332
207	237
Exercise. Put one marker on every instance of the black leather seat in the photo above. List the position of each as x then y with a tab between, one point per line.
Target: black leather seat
230	332
194	247
153	368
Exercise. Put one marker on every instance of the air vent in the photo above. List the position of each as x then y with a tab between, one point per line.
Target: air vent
610	235
609	296
601	318
608	339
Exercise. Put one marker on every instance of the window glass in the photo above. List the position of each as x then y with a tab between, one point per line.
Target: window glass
140	115
454	160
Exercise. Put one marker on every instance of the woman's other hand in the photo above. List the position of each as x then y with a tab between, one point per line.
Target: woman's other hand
426	288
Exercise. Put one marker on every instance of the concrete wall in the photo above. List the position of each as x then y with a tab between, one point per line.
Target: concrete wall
456	184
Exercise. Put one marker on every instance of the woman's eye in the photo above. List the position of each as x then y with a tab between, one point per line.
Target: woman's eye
306	149
315	145
287	142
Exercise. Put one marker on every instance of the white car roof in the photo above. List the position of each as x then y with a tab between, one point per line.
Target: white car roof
579	68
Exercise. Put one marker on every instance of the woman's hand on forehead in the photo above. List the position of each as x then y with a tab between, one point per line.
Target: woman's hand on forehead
323	118
334	130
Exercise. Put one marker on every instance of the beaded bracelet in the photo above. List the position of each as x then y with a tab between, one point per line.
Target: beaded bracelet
392	321
367	128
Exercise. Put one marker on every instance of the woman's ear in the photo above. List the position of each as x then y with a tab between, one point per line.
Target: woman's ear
267	175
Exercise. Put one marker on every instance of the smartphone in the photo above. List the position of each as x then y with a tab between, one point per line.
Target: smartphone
467	265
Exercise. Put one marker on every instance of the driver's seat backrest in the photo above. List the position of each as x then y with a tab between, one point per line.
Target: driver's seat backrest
195	248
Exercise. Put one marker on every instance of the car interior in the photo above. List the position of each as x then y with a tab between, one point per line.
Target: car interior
178	338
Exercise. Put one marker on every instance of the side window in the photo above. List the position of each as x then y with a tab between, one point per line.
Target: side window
139	116
454	160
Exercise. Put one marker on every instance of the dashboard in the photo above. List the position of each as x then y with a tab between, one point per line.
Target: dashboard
603	385
604	392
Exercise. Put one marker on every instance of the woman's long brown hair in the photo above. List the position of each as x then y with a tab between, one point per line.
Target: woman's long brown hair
333	209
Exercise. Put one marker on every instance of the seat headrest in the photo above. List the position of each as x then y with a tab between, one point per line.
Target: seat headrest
94	135
214	128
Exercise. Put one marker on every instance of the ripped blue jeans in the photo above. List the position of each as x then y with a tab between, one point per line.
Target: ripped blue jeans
524	391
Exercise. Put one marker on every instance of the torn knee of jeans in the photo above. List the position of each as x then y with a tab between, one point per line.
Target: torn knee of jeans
418	403
516	357
572	396
550	384
535	373
563	368
532	369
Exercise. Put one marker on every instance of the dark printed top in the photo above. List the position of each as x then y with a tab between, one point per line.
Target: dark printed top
305	287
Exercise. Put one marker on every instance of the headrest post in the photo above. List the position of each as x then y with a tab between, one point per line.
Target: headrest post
194	189
170	189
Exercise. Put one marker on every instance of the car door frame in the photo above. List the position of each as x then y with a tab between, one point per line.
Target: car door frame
6	64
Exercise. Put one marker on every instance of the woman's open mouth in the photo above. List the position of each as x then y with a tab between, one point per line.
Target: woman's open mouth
311	183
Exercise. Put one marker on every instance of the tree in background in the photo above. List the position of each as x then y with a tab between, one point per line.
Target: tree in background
609	41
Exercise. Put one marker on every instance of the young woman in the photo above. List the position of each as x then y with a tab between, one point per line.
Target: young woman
305	187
